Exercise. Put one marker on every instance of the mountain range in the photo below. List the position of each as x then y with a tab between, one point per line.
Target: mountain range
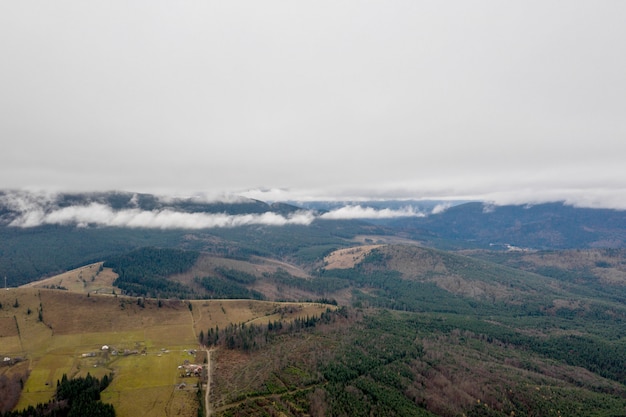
88	226
423	308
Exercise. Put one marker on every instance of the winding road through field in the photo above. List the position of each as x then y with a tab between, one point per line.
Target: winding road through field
208	383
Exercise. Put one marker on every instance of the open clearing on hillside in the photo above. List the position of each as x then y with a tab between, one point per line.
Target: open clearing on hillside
208	265
348	257
60	332
93	278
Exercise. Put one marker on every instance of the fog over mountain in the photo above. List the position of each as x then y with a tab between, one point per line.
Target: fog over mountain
25	209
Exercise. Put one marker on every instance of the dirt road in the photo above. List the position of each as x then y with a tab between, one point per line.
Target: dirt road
207	405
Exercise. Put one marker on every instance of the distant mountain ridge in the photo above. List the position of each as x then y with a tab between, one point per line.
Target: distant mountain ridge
540	226
13	203
468	224
36	241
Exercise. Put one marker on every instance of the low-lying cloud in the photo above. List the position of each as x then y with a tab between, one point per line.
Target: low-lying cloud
359	212
28	210
96	214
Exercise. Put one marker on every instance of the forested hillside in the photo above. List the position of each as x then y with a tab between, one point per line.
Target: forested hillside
44	235
540	226
377	362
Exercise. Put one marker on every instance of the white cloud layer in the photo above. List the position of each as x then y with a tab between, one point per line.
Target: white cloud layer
36	209
96	214
359	212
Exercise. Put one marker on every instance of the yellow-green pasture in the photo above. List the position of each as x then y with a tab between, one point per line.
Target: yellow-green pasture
152	385
45	371
59	332
145	360
209	313
146	345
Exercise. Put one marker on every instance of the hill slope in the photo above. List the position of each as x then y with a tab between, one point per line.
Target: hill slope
541	226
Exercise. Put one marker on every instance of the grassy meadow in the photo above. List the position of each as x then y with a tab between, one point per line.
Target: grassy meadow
56	332
92	278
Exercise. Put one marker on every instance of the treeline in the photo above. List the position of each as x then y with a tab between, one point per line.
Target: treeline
156	287
76	397
319	285
145	271
236	275
223	288
229	283
249	337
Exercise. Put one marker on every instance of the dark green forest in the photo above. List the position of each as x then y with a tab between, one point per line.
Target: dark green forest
28	254
77	397
145	271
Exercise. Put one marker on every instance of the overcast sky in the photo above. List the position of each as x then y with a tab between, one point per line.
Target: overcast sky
510	101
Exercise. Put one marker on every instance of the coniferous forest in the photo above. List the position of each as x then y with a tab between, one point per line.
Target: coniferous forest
77	397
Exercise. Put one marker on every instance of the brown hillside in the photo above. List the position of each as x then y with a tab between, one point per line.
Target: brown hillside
412	260
86	279
348	257
207	265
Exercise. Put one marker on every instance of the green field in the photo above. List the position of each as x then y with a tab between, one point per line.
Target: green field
146	343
